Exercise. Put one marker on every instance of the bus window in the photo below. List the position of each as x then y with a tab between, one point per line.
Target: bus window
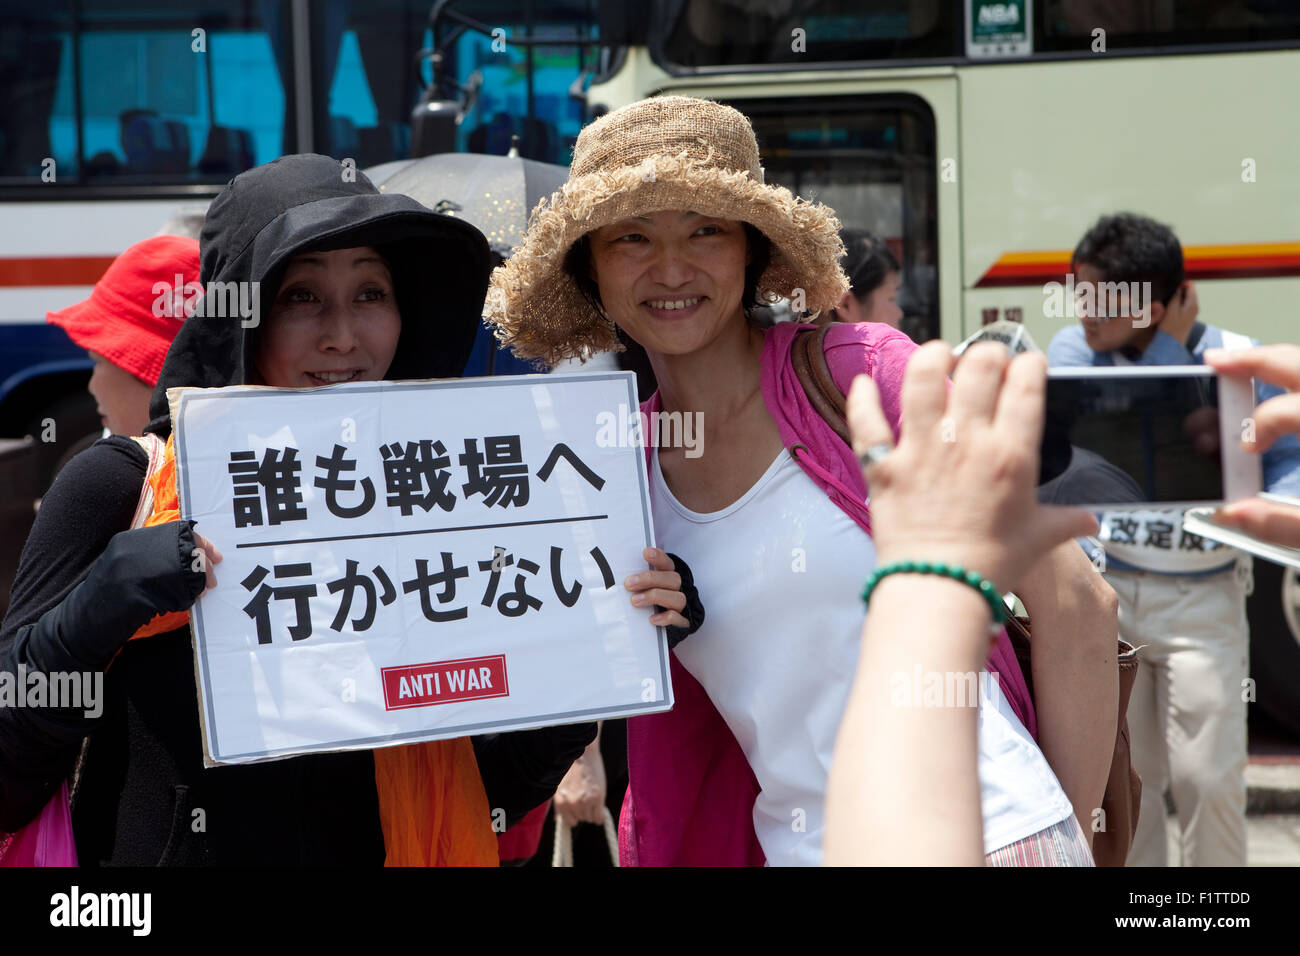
33	48
525	92
364	77
1070	25
540	112
364	54
872	160
712	34
177	92
142	93
722	33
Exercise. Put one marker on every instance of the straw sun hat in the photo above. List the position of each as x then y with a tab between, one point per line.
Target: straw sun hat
671	152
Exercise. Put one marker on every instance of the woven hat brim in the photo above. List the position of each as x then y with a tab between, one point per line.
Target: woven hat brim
537	309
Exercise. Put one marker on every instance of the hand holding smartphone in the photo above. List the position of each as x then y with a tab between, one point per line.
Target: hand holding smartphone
1202	521
1133	437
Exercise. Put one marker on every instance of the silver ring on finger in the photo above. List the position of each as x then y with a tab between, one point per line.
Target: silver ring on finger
875	454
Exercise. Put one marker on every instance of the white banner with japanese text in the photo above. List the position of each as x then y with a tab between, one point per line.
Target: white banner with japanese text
1154	539
406	561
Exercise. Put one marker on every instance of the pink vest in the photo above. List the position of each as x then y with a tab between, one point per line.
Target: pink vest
691	792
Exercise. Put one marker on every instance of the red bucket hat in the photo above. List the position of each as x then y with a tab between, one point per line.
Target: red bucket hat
125	319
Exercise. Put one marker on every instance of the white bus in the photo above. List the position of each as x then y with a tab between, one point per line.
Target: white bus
981	139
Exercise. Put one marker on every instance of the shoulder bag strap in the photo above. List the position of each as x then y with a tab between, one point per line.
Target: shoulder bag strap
808	356
153	447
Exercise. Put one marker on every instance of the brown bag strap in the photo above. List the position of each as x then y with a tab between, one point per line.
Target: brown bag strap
808	356
1123	795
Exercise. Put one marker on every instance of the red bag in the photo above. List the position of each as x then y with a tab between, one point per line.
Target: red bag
520	842
46	841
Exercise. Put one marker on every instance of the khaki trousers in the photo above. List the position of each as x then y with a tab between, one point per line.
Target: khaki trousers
1187	715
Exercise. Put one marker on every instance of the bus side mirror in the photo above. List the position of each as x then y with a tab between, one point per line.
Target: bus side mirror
433	127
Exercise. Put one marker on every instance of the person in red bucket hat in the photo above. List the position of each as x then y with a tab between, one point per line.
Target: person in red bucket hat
129	322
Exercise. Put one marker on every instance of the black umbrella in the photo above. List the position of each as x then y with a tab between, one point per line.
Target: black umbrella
494	193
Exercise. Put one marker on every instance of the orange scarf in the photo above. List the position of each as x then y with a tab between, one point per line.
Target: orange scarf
432	806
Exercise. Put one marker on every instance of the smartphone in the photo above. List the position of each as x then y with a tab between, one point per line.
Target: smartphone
1130	436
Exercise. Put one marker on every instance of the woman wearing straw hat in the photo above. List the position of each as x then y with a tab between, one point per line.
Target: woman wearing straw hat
667	230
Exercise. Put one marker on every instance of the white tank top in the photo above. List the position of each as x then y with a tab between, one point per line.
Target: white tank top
780	572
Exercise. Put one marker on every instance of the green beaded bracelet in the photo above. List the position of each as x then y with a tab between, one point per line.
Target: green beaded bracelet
956	572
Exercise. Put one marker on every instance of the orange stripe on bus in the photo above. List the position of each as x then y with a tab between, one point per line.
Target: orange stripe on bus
1247	250
53	270
1242	261
1035	258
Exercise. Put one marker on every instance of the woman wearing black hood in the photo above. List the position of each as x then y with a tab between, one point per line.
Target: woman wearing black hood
355	286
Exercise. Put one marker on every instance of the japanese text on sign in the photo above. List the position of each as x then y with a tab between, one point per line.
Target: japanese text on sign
381	529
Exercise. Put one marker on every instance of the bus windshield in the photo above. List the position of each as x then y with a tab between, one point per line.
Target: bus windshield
156	93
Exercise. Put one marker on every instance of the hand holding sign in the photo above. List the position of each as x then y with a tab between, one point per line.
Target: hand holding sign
211	556
661	587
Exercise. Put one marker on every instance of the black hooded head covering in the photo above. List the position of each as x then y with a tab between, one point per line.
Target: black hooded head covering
268	214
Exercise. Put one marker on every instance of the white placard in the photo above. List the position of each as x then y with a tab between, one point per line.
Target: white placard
416	561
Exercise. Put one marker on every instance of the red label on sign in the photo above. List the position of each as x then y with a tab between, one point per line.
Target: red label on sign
441	682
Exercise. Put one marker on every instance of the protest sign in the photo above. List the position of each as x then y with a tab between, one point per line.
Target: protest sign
408	561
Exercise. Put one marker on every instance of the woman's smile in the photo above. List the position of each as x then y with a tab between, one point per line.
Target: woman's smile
676	308
337	376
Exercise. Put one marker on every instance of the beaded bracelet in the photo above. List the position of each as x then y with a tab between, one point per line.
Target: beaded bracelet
954	571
